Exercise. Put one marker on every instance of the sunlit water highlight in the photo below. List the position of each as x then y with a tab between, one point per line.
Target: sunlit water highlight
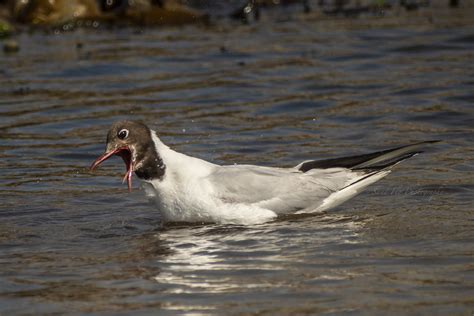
270	94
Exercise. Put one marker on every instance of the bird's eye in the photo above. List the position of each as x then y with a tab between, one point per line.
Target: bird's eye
123	133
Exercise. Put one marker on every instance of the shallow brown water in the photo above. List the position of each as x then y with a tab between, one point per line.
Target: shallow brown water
72	241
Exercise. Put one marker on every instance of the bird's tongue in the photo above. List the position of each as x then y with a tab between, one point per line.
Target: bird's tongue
127	159
126	155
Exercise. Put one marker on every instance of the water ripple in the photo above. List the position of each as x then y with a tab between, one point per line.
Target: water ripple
277	94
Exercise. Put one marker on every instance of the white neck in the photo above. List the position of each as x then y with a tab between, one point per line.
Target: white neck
178	163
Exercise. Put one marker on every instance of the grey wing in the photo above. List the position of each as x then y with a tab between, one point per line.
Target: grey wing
281	190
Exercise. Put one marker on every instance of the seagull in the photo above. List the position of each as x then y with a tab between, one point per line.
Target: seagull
189	189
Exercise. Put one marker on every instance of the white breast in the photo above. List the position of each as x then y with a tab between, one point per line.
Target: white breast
186	193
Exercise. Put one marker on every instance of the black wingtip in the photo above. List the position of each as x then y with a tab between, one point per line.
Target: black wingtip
423	142
389	163
368	161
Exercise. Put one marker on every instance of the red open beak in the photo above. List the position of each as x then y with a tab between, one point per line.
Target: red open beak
126	155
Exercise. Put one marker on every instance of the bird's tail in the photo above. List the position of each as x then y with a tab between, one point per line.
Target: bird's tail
374	161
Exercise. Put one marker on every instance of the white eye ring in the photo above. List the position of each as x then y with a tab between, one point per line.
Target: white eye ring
123	133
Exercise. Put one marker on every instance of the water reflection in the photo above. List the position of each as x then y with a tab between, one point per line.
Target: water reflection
183	259
72	241
232	259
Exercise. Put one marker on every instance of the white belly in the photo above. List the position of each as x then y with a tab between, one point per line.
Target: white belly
197	203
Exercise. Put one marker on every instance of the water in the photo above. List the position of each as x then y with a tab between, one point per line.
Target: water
73	241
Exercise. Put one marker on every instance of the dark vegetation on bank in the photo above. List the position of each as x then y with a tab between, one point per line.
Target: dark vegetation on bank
15	13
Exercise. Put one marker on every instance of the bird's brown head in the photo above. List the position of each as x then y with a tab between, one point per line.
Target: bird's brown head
133	142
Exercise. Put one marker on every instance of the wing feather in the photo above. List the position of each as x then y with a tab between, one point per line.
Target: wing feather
281	190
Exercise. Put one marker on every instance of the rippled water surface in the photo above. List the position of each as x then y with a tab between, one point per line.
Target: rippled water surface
270	94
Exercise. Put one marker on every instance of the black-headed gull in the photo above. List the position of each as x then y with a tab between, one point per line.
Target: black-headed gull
189	189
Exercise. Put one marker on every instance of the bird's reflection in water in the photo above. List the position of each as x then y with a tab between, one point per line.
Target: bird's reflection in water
200	258
138	260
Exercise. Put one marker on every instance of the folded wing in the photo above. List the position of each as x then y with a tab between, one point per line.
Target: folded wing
311	186
281	190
